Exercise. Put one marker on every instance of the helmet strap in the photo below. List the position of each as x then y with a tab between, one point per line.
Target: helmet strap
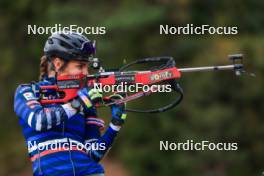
52	66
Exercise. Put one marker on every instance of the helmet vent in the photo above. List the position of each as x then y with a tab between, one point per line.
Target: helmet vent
65	36
50	41
75	44
65	45
81	41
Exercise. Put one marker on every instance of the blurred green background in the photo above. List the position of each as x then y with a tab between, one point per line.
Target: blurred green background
218	107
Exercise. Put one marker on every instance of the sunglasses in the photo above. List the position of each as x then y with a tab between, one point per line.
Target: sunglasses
88	48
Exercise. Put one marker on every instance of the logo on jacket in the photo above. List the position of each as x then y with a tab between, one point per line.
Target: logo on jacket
29	96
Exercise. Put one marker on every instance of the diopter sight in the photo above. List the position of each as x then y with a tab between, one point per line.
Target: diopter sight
237	60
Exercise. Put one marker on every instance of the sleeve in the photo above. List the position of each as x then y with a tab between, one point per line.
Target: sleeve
96	144
93	126
27	107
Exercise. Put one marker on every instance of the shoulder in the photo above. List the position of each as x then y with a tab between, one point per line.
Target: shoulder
29	90
26	91
22	88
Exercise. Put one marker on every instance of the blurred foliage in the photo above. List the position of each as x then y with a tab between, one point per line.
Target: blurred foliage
218	107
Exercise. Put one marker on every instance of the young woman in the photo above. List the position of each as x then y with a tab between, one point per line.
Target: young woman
65	139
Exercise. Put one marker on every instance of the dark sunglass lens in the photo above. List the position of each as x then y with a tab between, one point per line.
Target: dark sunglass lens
88	48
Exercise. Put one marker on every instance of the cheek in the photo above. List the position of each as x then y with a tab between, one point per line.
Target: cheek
74	71
85	71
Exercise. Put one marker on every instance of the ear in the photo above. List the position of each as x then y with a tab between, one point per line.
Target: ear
57	62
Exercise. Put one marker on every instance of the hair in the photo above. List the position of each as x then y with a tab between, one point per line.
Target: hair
45	67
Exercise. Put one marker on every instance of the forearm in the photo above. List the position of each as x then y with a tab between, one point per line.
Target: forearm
41	118
103	143
38	117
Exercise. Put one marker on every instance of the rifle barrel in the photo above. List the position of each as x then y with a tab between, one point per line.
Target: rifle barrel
212	68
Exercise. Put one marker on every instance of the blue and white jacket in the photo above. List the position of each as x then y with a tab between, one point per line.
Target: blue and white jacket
61	141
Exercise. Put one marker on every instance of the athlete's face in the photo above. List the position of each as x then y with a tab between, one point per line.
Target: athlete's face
72	68
75	68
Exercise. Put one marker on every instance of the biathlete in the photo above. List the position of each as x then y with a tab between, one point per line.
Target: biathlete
57	135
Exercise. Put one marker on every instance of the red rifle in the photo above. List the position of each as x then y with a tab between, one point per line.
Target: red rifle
166	73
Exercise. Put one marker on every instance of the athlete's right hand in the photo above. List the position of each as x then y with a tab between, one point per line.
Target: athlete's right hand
86	99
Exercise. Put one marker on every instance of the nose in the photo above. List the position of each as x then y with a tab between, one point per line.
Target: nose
85	71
